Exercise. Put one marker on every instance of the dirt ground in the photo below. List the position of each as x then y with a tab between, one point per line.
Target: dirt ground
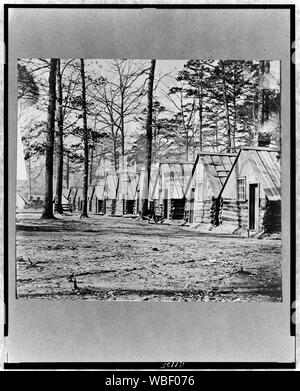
115	258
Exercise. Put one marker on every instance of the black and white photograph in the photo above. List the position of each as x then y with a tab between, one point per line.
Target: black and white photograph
149	176
150	180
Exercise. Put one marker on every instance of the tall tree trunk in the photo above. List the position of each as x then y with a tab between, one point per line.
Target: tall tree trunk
86	145
149	140
122	132
200	118
68	170
186	146
226	107
116	164
154	139
60	140
48	206
91	166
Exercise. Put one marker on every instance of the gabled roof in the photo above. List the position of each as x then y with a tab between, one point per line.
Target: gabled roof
217	167
66	192
79	192
181	173
266	163
111	185
140	186
130	182
99	191
73	192
90	191
22	197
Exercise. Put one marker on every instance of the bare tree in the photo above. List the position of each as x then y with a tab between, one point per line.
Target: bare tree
120	95
60	160
48	206
86	144
149	140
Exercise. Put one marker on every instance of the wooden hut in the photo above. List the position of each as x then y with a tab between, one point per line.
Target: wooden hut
21	201
65	201
207	178
251	195
127	192
110	192
98	201
168	192
140	186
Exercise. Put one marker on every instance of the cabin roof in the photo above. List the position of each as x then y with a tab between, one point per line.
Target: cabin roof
90	191
111	184
182	172
79	192
99	191
128	183
22	197
217	167
73	192
266	164
66	192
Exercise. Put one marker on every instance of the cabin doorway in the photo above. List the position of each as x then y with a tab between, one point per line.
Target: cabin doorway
99	206
137	202
253	206
178	208
129	209
166	206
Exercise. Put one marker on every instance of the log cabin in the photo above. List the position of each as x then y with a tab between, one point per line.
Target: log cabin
127	194
21	202
141	184
168	192
65	201
206	180
111	183
251	195
98	200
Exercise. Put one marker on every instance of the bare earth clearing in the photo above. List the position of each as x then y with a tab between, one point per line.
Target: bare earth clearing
125	259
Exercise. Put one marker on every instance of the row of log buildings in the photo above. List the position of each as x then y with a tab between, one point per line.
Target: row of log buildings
237	189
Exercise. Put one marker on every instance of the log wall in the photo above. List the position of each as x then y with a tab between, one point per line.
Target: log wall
119	208
111	207
272	217
234	213
202	212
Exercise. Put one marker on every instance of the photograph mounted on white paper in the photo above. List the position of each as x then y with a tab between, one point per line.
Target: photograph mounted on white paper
149	180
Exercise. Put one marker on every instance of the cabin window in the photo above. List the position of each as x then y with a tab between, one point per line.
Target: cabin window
241	189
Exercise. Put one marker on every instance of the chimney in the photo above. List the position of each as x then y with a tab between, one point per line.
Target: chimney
264	139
